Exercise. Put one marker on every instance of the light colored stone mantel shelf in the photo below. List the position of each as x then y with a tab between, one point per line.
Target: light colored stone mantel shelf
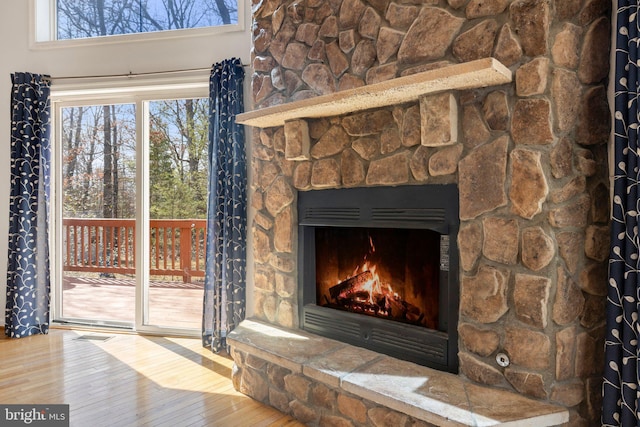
467	75
436	397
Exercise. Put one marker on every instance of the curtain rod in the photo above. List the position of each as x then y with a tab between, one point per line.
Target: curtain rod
132	74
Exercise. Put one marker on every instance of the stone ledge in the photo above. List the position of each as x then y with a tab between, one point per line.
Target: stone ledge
435	397
467	75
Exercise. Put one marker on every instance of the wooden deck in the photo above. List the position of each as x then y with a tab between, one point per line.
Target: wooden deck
171	304
128	380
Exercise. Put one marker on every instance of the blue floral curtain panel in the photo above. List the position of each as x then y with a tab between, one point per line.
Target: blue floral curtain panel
28	279
621	376
225	270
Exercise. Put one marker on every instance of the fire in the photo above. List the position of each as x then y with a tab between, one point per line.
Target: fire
365	288
372	286
368	290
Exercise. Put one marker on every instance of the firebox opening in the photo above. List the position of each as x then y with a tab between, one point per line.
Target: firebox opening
390	273
378	268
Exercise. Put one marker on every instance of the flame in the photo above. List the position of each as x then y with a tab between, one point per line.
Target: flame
368	290
374	286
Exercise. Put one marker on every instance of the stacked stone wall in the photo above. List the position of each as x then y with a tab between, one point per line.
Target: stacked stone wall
530	160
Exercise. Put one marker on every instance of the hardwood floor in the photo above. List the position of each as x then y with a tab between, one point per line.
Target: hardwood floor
128	380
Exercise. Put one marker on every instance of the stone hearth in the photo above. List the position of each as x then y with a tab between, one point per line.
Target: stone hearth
529	159
326	382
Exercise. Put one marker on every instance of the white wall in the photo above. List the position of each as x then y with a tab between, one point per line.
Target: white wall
132	57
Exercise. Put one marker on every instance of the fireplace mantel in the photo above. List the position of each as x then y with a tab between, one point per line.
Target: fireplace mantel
467	75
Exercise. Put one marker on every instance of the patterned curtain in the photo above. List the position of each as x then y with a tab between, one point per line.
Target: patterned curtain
621	377
28	281
225	269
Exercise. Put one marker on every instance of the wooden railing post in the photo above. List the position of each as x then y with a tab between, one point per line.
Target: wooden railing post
185	253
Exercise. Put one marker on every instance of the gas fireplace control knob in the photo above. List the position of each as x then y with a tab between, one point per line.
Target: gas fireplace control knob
503	360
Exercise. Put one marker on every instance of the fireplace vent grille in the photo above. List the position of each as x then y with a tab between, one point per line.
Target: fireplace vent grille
393	338
416	347
318	322
311	214
408	214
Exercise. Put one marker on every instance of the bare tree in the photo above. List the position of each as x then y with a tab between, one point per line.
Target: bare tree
179	148
93	18
107	177
72	140
81	136
224	10
90	157
89	18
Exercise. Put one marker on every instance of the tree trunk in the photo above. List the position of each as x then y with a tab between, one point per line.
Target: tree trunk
101	18
224	11
115	151
73	142
89	166
192	148
107	180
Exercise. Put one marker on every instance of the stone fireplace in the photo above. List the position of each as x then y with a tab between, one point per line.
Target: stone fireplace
529	160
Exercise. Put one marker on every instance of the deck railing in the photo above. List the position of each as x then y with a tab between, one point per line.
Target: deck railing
107	246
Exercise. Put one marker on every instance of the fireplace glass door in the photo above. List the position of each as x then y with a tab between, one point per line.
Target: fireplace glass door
390	273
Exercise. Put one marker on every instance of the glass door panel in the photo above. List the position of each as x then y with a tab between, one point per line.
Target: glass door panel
98	214
178	177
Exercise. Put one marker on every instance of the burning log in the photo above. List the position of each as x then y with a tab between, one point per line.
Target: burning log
356	294
350	286
397	309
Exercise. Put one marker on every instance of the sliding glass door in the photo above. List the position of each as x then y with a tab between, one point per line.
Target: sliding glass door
131	216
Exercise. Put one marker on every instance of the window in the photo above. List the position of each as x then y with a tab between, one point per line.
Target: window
131	198
64	20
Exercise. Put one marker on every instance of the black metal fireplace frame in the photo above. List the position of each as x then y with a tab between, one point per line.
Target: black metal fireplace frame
433	207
